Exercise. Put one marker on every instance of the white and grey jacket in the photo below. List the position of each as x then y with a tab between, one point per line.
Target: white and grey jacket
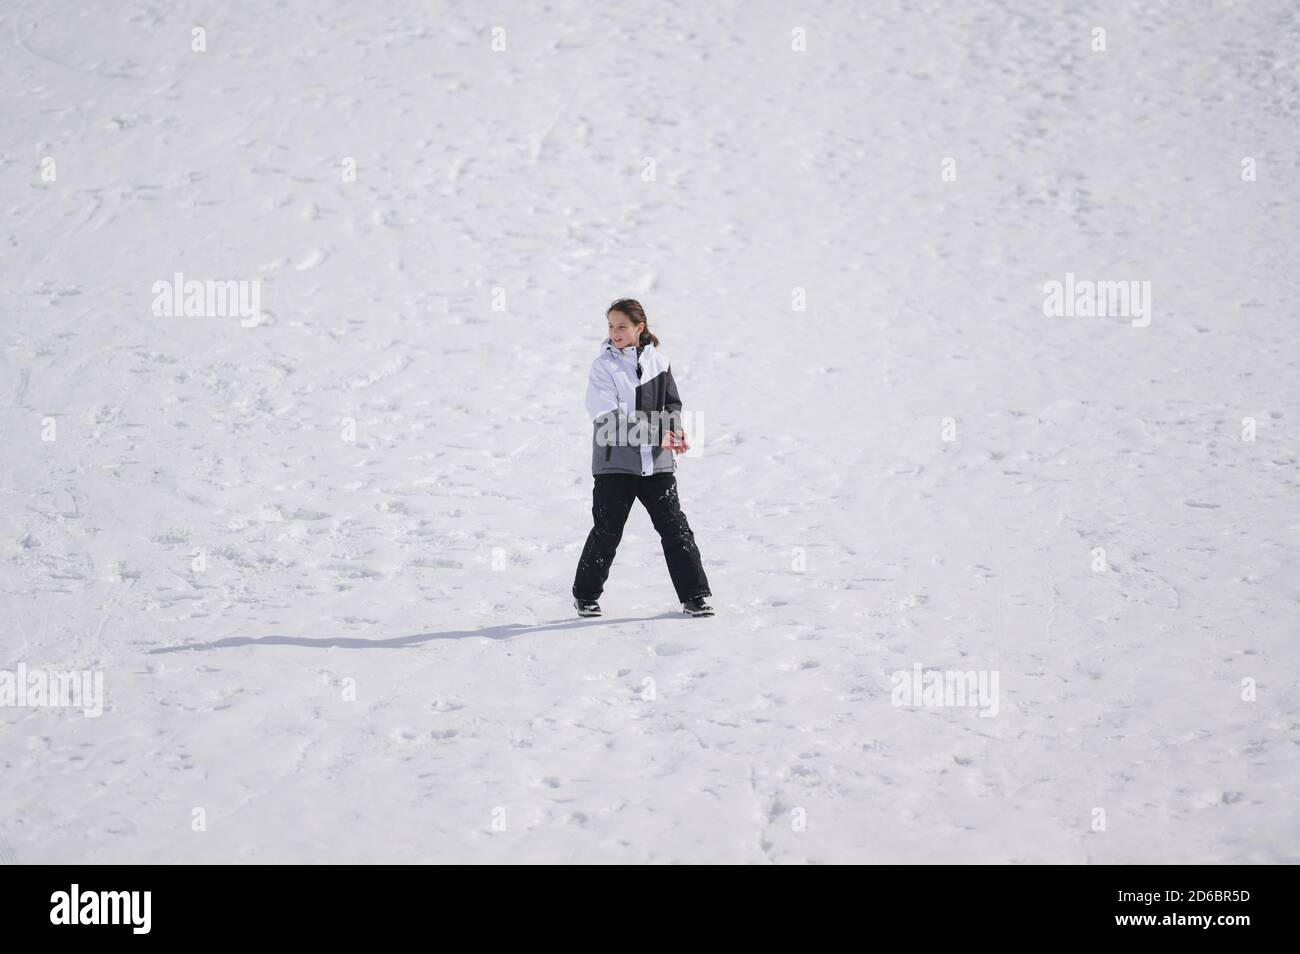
627	441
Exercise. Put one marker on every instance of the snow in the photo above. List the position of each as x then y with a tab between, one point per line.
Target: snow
377	659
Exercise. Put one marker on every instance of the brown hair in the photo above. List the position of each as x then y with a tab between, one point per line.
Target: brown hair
632	308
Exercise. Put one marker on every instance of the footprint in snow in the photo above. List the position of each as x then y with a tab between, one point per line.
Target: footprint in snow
672	649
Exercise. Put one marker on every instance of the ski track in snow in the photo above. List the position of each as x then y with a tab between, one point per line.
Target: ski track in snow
378	658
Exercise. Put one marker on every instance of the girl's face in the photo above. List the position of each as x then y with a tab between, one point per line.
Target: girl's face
622	331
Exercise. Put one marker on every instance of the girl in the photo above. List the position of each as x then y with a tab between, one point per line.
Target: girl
636	419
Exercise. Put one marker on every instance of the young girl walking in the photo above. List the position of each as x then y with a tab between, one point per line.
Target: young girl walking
636	432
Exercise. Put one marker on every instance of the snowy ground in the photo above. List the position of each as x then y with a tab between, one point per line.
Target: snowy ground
424	566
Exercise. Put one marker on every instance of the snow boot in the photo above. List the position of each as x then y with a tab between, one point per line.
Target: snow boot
697	606
586	607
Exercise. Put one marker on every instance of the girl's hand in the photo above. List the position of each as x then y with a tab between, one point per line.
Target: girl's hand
676	442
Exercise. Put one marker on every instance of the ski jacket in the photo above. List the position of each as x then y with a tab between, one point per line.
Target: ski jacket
632	401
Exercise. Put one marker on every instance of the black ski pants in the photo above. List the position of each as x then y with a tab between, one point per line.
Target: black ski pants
611	502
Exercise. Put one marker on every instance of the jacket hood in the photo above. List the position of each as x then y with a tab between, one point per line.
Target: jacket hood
608	345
